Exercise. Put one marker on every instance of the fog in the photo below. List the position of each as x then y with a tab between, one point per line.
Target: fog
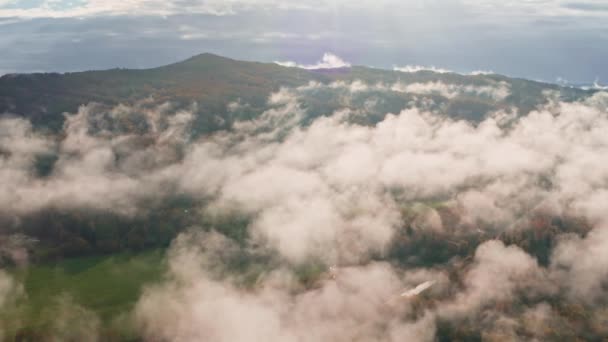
331	192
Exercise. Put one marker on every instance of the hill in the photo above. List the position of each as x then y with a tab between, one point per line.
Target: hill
213	81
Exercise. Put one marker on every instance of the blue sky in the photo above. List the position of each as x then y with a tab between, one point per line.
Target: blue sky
537	39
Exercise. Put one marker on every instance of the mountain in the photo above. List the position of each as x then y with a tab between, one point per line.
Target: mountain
209	79
213	81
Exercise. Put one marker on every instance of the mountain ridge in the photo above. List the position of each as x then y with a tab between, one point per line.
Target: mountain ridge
207	56
213	81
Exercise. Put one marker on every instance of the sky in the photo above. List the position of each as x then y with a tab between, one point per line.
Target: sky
551	40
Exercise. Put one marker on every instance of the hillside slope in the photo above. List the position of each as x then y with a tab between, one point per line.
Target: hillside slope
213	81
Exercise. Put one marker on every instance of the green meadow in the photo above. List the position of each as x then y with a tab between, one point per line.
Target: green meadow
98	291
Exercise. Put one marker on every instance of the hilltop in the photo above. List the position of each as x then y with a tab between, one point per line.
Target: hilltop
213	81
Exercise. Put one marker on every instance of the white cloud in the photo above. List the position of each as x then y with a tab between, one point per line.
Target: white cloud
340	208
539	8
496	92
481	72
328	61
65	8
339	193
597	86
497	272
418	68
10	292
352	305
88	8
580	264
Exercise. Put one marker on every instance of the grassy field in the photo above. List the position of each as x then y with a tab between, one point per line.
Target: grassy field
101	290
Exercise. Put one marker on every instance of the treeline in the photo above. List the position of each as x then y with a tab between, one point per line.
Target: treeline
536	233
60	233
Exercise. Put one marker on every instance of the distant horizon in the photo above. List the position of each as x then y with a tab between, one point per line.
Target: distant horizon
549	40
318	65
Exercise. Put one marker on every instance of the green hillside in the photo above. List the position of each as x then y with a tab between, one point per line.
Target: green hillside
213	81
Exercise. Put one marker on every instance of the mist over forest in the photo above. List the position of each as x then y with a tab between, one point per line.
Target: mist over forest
245	201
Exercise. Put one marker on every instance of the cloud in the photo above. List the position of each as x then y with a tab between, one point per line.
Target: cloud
496	274
591	6
72	322
344	171
352	305
64	8
597	86
418	68
498	92
7	287
413	198
84	174
89	8
105	31
328	61
482	72
10	292
579	264
547	8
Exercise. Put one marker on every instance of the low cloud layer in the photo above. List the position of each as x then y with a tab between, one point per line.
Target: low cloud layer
328	61
497	92
363	205
418	68
353	304
10	291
